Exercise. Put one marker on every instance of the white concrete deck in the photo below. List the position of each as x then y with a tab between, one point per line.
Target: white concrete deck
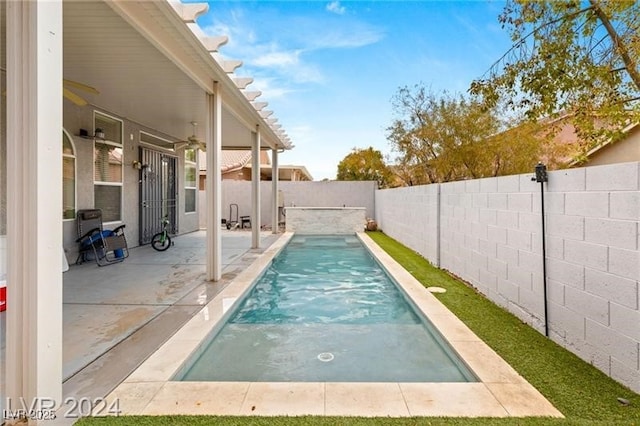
501	392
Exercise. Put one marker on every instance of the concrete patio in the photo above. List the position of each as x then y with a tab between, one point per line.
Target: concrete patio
116	316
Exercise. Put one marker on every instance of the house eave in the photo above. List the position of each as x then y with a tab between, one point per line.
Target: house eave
152	19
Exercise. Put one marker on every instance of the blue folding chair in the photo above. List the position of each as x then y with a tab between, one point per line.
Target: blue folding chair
105	246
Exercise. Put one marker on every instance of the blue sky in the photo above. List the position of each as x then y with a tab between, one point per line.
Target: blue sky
328	69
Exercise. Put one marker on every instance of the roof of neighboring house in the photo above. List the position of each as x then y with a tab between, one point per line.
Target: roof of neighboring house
234	159
286	171
567	135
627	130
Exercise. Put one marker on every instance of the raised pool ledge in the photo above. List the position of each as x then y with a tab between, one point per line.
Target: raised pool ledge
501	392
325	220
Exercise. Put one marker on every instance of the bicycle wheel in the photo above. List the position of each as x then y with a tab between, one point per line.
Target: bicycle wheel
161	241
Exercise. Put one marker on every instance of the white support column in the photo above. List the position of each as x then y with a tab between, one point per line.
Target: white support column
34	203
274	192
213	129
255	190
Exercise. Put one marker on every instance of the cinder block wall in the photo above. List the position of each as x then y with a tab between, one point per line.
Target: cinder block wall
490	235
410	215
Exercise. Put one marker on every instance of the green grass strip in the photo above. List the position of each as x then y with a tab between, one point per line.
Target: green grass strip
585	395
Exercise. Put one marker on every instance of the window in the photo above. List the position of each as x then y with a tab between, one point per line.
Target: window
190	180
107	168
68	177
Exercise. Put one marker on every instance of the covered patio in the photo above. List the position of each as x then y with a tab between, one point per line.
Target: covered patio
115	317
151	72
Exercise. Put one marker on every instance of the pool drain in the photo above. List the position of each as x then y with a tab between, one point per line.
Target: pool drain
325	356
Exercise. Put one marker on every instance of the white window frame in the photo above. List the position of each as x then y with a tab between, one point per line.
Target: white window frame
154	146
75	175
195	187
116	144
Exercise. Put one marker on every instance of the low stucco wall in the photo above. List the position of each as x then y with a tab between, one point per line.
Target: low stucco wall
300	194
325	220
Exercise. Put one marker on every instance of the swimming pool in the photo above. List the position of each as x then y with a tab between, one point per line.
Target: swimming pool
325	311
152	388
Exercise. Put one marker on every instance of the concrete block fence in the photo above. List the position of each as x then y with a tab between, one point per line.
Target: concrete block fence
299	193
489	233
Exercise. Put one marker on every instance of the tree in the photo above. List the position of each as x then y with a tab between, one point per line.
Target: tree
365	164
442	137
570	59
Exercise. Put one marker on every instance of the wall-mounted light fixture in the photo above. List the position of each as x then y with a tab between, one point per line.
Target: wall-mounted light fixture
139	166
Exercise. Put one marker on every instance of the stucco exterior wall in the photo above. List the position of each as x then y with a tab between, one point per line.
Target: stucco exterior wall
490	236
76	118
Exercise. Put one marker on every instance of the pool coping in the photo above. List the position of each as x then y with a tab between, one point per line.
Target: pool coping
501	391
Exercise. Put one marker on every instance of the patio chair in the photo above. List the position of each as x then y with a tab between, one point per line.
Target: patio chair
105	246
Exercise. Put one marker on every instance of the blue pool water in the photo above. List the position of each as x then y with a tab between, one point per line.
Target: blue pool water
326	311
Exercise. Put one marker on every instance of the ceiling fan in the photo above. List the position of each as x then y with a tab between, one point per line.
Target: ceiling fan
73	97
192	141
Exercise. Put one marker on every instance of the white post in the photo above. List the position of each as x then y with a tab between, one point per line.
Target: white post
213	129
34	203
255	190
275	219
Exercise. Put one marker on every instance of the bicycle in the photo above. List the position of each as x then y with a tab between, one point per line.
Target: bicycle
162	241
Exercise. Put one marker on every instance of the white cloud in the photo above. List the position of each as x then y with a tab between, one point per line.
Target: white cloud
345	38
270	88
335	7
277	59
278	49
286	65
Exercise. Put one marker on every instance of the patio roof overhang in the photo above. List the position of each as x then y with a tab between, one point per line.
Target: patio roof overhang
149	70
151	67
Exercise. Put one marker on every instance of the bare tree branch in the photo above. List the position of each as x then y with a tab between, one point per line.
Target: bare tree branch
619	45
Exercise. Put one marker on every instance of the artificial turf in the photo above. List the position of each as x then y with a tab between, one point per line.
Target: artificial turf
585	395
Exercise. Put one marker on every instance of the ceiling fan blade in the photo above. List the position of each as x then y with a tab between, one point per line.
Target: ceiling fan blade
73	97
80	86
180	145
69	94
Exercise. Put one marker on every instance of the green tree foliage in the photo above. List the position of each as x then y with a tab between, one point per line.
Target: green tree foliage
571	58
441	137
365	164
